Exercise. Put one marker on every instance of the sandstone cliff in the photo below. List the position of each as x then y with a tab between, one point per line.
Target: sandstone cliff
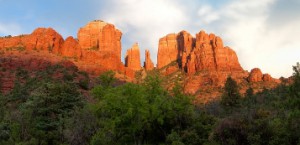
201	63
203	53
101	46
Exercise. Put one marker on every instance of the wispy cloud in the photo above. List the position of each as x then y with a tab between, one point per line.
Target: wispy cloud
9	29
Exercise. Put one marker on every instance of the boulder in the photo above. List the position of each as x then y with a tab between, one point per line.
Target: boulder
255	75
267	78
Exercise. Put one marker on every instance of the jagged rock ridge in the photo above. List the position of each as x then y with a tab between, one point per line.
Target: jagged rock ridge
205	52
204	59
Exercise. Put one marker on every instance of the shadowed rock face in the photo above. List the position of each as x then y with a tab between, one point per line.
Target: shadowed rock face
148	64
172	47
132	59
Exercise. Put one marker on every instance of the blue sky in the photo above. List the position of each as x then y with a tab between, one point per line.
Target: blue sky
264	33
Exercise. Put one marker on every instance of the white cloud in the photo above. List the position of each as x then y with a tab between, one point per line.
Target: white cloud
253	28
244	26
145	21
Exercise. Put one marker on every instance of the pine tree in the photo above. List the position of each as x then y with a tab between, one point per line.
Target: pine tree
231	96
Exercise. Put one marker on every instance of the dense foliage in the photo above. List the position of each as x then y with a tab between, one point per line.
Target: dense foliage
147	114
45	110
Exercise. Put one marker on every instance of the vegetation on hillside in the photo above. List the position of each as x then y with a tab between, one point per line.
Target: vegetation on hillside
45	110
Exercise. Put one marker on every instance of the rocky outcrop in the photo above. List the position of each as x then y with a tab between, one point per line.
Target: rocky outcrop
100	36
42	39
101	46
255	75
45	39
267	78
71	48
132	59
199	62
148	64
209	54
167	50
98	47
172	47
203	53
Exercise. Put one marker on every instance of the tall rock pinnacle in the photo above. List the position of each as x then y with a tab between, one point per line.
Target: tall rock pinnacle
132	59
148	64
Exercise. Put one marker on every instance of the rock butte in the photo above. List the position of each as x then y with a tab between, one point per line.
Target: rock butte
203	59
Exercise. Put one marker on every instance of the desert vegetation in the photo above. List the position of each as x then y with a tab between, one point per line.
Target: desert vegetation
44	110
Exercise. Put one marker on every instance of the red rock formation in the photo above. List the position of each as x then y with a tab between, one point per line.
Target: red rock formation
33	62
148	64
267	78
101	45
45	39
172	47
186	43
204	58
71	48
255	75
102	36
167	50
129	72
171	69
132	59
211	55
205	53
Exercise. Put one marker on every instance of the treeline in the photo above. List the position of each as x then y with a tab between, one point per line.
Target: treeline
54	111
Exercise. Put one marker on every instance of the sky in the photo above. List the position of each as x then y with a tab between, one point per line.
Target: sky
264	33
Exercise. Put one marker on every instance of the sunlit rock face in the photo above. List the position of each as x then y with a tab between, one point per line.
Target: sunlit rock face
132	59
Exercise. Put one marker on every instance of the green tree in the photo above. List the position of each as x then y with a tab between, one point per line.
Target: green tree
249	92
107	79
47	108
106	83
295	87
148	114
231	96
